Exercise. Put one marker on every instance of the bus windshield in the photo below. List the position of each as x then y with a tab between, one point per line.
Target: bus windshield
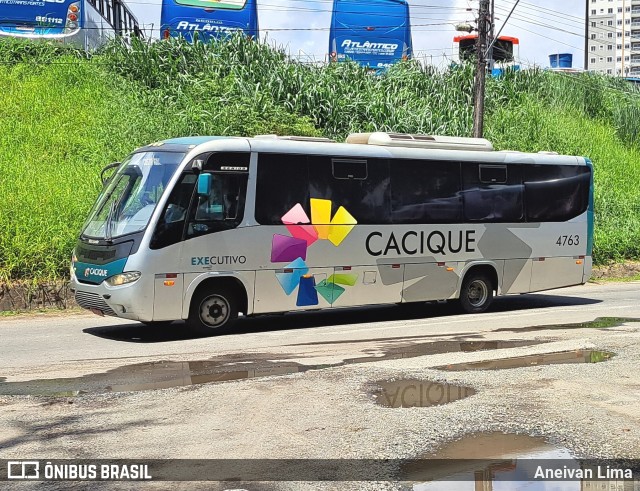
129	199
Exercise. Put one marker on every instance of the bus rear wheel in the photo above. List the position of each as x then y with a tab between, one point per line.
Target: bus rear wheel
213	311
476	293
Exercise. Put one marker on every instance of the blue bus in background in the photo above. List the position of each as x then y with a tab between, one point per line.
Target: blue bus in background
373	33
209	18
86	24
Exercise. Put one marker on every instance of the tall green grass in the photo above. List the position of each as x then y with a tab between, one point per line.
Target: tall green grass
65	115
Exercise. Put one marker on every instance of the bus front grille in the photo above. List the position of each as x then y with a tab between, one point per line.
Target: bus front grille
93	301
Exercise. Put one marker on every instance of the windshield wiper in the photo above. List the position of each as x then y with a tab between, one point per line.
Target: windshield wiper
109	222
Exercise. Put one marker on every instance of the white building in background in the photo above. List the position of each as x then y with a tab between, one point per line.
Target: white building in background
613	37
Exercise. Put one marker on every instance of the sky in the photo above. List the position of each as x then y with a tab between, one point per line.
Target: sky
544	27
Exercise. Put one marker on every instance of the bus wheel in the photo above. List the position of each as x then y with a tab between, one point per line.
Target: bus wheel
212	312
477	293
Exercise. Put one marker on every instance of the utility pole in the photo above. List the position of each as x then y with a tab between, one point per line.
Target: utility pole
481	71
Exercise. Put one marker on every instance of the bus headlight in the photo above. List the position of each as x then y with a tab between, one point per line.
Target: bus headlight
123	278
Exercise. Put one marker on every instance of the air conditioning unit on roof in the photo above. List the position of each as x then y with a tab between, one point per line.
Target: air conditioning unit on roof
421	141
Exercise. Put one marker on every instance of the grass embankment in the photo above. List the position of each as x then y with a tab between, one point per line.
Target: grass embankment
65	116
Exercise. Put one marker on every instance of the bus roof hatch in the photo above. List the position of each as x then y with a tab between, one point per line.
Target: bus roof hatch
421	141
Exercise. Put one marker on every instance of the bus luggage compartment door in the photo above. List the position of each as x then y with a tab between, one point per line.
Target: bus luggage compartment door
367	285
289	289
555	272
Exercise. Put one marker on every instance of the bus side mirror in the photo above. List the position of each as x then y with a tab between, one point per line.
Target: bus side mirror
103	174
204	184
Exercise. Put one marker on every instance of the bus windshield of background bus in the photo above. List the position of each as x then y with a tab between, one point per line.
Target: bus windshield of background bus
212	4
127	203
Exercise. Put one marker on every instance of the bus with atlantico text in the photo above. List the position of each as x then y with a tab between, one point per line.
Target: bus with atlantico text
374	33
206	19
86	24
207	228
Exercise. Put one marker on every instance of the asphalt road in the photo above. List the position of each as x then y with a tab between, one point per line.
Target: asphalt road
51	343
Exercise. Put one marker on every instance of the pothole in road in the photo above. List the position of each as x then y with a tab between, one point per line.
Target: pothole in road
559	358
237	366
490	460
418	393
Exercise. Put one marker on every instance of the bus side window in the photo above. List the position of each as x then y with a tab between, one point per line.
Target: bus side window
170	226
222	209
425	191
360	186
282	184
492	193
556	193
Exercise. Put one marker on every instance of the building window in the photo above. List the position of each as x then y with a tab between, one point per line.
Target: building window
619	58
593	60
610	47
593	48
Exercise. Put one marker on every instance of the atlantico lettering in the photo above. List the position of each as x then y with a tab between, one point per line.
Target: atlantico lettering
213	260
189	26
413	242
348	43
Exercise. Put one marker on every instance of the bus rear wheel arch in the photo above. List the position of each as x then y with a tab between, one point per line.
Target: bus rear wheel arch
478	289
215	306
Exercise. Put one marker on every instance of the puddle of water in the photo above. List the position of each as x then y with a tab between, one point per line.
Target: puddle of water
559	358
440	347
418	393
486	461
147	376
598	323
237	366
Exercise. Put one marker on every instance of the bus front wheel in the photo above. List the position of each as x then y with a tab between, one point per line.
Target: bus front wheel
476	293
212	311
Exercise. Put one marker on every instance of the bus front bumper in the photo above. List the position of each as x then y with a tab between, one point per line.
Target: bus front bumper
117	301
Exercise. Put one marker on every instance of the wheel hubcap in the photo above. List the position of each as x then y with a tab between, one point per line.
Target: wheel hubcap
478	293
214	311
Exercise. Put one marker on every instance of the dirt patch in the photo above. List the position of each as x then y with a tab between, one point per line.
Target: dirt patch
626	269
34	296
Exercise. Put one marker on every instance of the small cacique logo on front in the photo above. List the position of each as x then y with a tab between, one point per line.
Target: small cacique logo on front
95	272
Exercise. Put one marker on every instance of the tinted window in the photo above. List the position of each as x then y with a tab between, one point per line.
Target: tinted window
493	174
556	193
283	182
170	227
222	209
367	200
492	193
349	169
425	191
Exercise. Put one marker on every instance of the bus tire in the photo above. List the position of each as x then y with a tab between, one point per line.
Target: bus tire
212	310
476	293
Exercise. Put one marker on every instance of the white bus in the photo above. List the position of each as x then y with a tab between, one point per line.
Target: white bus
207	228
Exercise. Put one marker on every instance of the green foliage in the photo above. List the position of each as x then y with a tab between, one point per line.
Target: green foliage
66	115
